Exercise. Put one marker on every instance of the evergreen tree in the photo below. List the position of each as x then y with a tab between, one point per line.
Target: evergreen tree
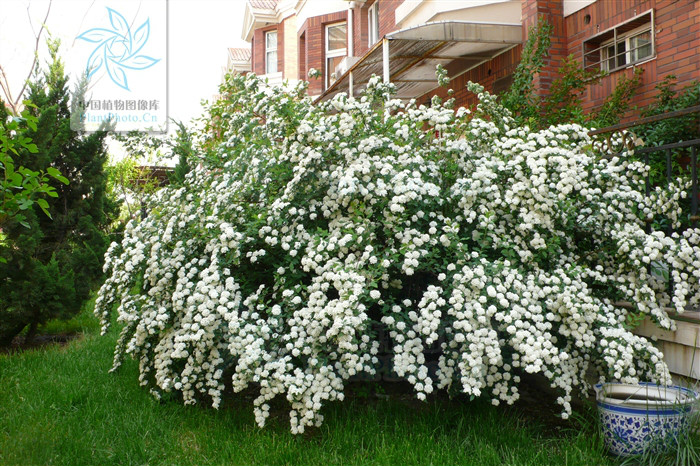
52	267
183	146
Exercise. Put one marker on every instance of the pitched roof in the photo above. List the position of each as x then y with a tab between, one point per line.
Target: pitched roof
242	54
263	4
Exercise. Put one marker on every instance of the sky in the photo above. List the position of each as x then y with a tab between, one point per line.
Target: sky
199	32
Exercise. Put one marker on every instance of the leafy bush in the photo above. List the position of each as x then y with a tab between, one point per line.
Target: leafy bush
682	128
274	265
20	187
131	178
669	131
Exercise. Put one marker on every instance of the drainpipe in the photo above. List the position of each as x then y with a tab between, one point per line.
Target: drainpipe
351	46
385	59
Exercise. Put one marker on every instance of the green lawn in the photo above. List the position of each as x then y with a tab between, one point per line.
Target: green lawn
58	405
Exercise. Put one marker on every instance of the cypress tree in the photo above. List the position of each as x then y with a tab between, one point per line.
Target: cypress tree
53	266
182	145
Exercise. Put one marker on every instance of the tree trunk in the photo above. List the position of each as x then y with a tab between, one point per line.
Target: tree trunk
9	334
31	333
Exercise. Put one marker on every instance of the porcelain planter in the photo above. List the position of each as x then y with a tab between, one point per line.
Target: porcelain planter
643	417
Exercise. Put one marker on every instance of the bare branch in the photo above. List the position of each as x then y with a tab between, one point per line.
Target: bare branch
80	28
4	84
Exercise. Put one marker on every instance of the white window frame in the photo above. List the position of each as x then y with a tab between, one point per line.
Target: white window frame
333	53
269	51
600	56
627	54
373	23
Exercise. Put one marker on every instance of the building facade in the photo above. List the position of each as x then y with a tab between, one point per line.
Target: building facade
477	40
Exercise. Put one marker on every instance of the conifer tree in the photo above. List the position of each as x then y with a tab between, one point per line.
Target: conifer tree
182	145
52	267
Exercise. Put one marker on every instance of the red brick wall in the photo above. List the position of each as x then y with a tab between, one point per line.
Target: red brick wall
360	29
387	16
257	52
552	12
301	56
387	23
314	55
258	48
485	74
677	24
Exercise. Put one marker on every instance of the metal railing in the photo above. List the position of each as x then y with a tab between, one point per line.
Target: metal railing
683	153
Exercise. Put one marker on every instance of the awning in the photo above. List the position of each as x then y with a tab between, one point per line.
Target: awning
413	53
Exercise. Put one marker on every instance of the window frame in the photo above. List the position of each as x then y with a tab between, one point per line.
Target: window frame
624	58
373	23
329	54
269	50
600	58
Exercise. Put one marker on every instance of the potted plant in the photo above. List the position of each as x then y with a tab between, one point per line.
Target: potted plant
640	418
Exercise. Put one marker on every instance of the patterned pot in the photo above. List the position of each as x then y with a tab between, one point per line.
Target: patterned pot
643	417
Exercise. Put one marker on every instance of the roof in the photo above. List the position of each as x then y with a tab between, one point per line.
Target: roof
239	54
415	52
258	13
238	60
263	4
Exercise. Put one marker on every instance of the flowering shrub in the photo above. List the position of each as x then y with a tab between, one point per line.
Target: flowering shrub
273	266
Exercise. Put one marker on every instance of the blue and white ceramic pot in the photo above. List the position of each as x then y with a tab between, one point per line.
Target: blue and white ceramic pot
643	418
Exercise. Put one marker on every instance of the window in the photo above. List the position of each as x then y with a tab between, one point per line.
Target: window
373	22
336	43
621	46
627	49
640	46
271	52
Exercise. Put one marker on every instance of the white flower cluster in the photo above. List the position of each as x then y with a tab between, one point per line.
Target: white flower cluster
505	248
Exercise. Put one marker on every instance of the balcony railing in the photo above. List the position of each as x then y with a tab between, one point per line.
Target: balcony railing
677	159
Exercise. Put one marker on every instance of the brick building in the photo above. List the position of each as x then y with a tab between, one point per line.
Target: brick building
477	40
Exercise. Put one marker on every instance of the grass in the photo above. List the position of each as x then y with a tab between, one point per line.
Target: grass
85	322
59	406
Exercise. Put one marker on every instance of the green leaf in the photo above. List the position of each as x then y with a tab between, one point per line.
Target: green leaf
53	171
46	211
15	179
9	167
24	204
57	175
